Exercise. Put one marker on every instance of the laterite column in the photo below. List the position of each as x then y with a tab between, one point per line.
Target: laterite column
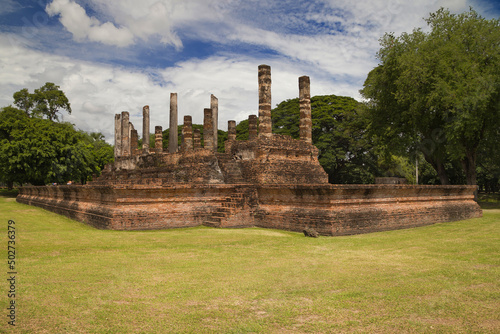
196	139
305	126
145	129
208	129
252	127
173	141
187	134
214	105
265	129
231	130
134	139
125	134
158	139
118	135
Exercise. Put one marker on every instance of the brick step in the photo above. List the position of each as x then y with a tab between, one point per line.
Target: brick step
211	224
215	220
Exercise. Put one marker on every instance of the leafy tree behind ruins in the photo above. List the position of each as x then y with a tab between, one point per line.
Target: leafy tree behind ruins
438	93
46	101
36	149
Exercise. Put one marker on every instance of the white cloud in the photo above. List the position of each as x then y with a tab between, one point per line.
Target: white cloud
98	91
74	18
336	60
333	34
138	19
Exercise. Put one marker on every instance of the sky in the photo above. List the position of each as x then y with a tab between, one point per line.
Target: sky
110	56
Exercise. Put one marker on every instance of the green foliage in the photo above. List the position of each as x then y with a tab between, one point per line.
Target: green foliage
338	131
242	130
39	151
24	100
45	101
12	124
438	92
102	152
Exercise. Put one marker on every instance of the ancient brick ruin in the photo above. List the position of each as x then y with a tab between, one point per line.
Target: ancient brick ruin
268	180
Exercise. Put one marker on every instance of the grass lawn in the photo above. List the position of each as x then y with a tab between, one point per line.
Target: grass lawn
72	278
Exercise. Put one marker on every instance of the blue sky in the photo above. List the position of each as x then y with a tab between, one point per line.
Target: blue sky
110	56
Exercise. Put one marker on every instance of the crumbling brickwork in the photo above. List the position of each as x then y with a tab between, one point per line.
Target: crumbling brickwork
329	209
269	180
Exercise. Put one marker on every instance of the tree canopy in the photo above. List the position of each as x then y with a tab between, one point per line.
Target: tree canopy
40	151
46	101
438	92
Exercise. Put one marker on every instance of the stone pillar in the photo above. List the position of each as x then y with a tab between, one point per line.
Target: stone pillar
265	129
125	134
231	130
252	127
134	138
145	129
118	135
214	105
208	129
173	141
305	126
187	134
197	139
158	139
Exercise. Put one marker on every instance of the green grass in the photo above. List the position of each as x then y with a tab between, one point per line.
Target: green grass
72	278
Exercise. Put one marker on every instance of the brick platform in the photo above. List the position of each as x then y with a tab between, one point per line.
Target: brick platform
329	209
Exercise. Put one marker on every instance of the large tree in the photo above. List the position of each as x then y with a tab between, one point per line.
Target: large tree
46	101
40	151
438	92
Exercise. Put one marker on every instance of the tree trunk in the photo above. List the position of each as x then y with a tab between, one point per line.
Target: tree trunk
10	185
438	165
469	166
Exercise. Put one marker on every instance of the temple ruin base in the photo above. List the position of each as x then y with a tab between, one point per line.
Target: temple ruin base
329	209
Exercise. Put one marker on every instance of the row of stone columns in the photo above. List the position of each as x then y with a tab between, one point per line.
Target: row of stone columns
126	136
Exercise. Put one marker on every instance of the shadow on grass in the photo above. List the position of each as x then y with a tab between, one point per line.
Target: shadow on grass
4	192
489	201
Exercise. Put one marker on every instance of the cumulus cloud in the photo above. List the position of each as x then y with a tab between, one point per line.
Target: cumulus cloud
98	91
329	33
334	42
74	18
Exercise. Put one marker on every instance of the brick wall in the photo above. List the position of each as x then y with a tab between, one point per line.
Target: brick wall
354	209
330	209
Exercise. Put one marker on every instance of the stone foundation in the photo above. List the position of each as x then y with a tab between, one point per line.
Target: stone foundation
329	209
